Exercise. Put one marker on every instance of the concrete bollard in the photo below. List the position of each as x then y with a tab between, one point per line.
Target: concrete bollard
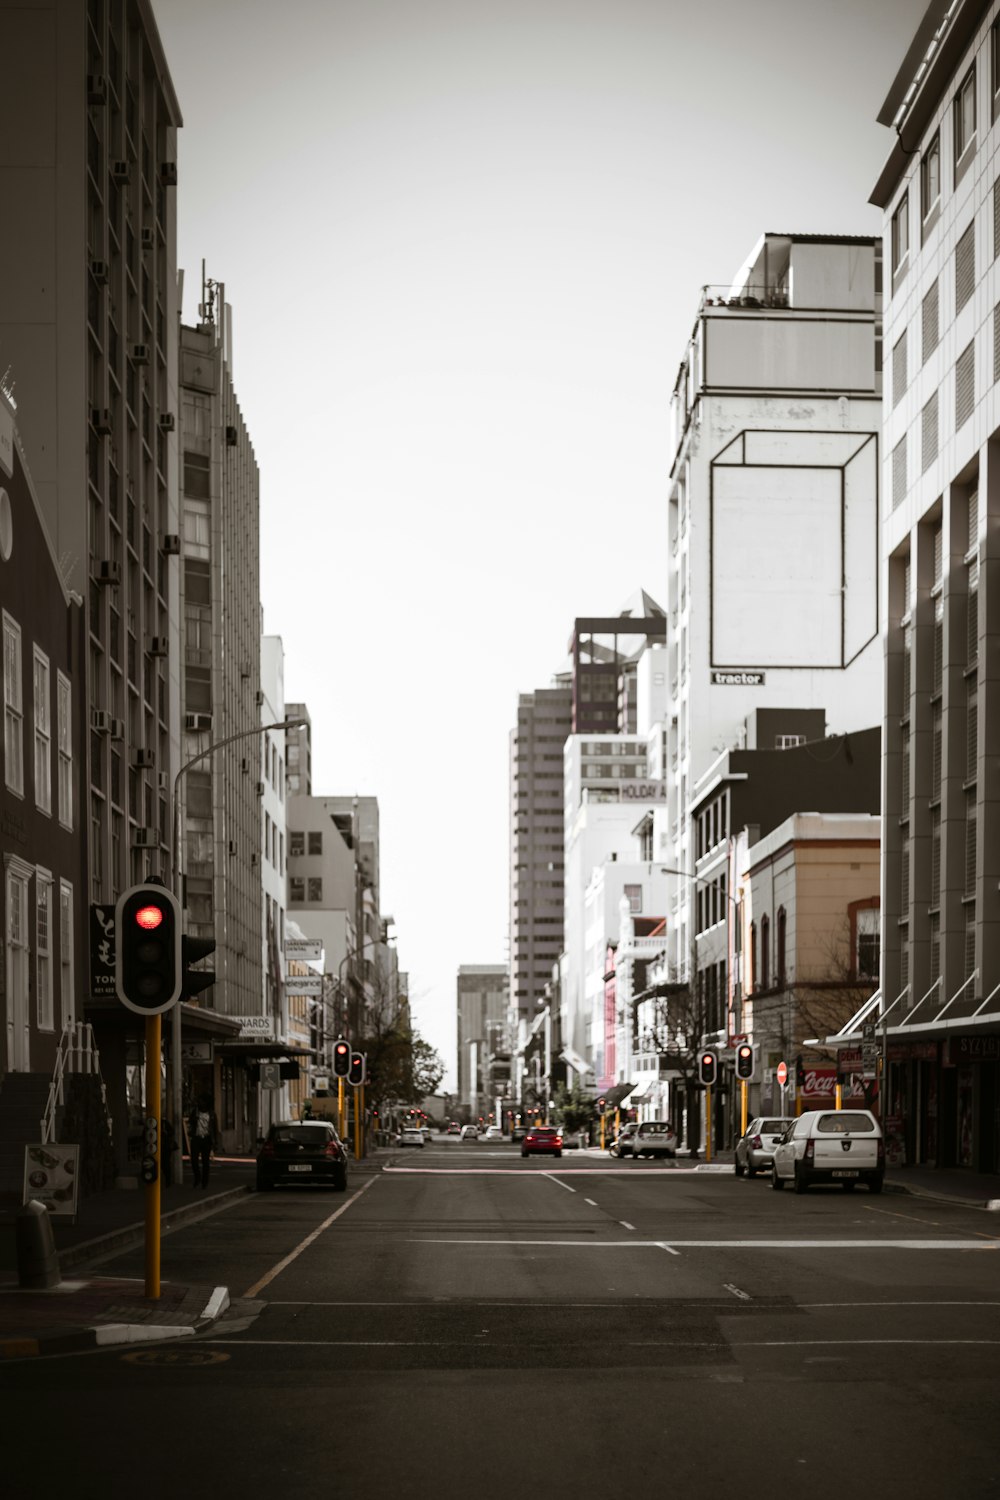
37	1261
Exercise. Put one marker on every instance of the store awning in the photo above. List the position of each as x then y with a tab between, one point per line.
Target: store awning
256	1051
637	1099
615	1094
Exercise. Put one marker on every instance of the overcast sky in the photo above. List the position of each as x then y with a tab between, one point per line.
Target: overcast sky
463	241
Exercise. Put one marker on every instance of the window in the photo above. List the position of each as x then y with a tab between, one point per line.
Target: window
18	956
633	894
788	741
899	369
930	323
13	707
965	267
296	844
765	953
315	843
43	949
782	936
930	182
965	384
43	731
900	235
64	744
929	433
315	888
296	888
996	342
899	473
964	122
67	1000
996	218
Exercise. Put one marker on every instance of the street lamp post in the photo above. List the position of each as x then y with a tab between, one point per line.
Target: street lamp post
176	884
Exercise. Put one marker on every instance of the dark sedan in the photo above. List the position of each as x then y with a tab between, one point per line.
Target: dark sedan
301	1152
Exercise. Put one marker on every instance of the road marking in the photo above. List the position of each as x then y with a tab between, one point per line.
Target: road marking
625	1224
860	1343
899	1304
743	1296
911	1218
668	1248
553	1178
732	1244
591	1202
276	1270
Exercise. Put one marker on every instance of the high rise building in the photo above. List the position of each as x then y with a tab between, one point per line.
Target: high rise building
940	977
298	752
603	655
481	1015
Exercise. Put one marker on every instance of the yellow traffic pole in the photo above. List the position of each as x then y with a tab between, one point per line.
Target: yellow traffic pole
152	1149
743	1108
602	1132
838	1102
341	1128
708	1123
357	1124
364	1117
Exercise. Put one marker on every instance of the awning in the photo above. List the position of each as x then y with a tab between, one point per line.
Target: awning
640	1098
577	1063
254	1051
615	1094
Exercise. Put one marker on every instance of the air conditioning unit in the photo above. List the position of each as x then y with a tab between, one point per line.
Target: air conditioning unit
119	171
159	645
148	238
140	354
167	421
144	759
100	420
97	89
172	544
100	720
197	722
232	437
232	846
99	271
146	838
168	174
260	698
261	788
109	572
255	859
116	729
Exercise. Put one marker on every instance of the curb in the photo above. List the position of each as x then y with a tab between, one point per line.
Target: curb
74	1256
106	1335
988	1205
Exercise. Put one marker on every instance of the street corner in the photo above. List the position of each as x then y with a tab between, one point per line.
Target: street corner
74	1317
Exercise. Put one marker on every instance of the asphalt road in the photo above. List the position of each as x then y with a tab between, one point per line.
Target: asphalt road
464	1323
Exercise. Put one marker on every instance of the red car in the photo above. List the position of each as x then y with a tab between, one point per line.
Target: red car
543	1140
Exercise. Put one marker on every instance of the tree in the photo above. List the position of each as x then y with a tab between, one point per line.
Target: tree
401	1067
572	1108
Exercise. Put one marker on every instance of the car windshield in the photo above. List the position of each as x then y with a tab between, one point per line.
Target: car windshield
656	1127
845	1121
773	1127
302	1135
543	1130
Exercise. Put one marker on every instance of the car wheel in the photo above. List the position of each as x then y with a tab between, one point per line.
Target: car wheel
263	1186
776	1182
557	1153
874	1184
800	1181
524	1153
340	1182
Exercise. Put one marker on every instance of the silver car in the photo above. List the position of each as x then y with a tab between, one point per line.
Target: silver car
622	1143
755	1150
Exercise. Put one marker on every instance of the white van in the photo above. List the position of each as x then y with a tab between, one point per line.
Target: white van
842	1146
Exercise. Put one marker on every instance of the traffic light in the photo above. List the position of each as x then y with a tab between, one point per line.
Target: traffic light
356	1070
800	1073
148	949
341	1059
745	1061
708	1068
193	950
601	1105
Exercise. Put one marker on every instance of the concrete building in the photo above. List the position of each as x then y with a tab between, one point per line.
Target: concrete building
481	1018
773	565
298	752
603	654
271	777
941	589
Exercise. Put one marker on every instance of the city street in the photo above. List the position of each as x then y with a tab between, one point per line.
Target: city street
465	1321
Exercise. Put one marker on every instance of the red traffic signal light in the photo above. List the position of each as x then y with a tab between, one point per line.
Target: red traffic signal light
148	949
356	1069
708	1068
601	1103
341	1059
744	1061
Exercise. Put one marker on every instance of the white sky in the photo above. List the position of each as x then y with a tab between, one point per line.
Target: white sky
464	242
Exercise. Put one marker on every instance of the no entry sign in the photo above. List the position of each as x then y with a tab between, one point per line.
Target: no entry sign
782	1073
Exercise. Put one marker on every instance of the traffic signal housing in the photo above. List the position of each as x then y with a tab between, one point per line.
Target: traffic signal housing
800	1072
193	950
356	1070
341	1059
601	1105
148	949
745	1061
708	1068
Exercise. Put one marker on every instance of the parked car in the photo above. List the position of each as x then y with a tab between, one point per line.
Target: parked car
426	1132
518	1132
411	1136
755	1150
300	1152
469	1133
454	1128
493	1133
842	1146
542	1140
654	1138
622	1144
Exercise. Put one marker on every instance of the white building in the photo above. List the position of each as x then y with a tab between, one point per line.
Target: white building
271	785
773	565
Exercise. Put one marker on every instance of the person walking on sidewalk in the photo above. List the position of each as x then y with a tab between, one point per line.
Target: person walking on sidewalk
203	1132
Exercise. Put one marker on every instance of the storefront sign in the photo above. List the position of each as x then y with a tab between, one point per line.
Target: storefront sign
102	953
970	1049
50	1177
308	950
255	1028
739	679
304	984
643	791
196	1052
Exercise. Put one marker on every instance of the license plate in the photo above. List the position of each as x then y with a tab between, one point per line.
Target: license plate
300	1169
840	1172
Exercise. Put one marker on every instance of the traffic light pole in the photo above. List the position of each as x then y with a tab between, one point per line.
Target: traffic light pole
708	1123
176	885
743	1107
153	1137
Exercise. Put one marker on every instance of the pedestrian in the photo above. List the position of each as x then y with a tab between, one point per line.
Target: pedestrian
203	1132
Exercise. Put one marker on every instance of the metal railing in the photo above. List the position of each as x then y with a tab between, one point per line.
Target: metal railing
77	1054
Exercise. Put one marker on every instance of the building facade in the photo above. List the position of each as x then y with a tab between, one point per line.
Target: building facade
481	1018
941	588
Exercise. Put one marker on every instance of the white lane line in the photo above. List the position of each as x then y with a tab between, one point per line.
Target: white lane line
552	1178
276	1270
898	1304
668	1248
732	1244
860	1343
625	1224
743	1296
591	1202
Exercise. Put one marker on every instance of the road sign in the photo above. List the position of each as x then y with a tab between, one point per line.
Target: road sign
869	1060
782	1073
868	1031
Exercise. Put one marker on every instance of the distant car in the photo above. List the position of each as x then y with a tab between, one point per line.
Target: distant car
493	1133
469	1133
542	1140
301	1152
622	1143
426	1132
654	1138
840	1146
411	1136
518	1132
755	1150
454	1128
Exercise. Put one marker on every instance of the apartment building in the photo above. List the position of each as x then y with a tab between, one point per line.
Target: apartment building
773	532
939	194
